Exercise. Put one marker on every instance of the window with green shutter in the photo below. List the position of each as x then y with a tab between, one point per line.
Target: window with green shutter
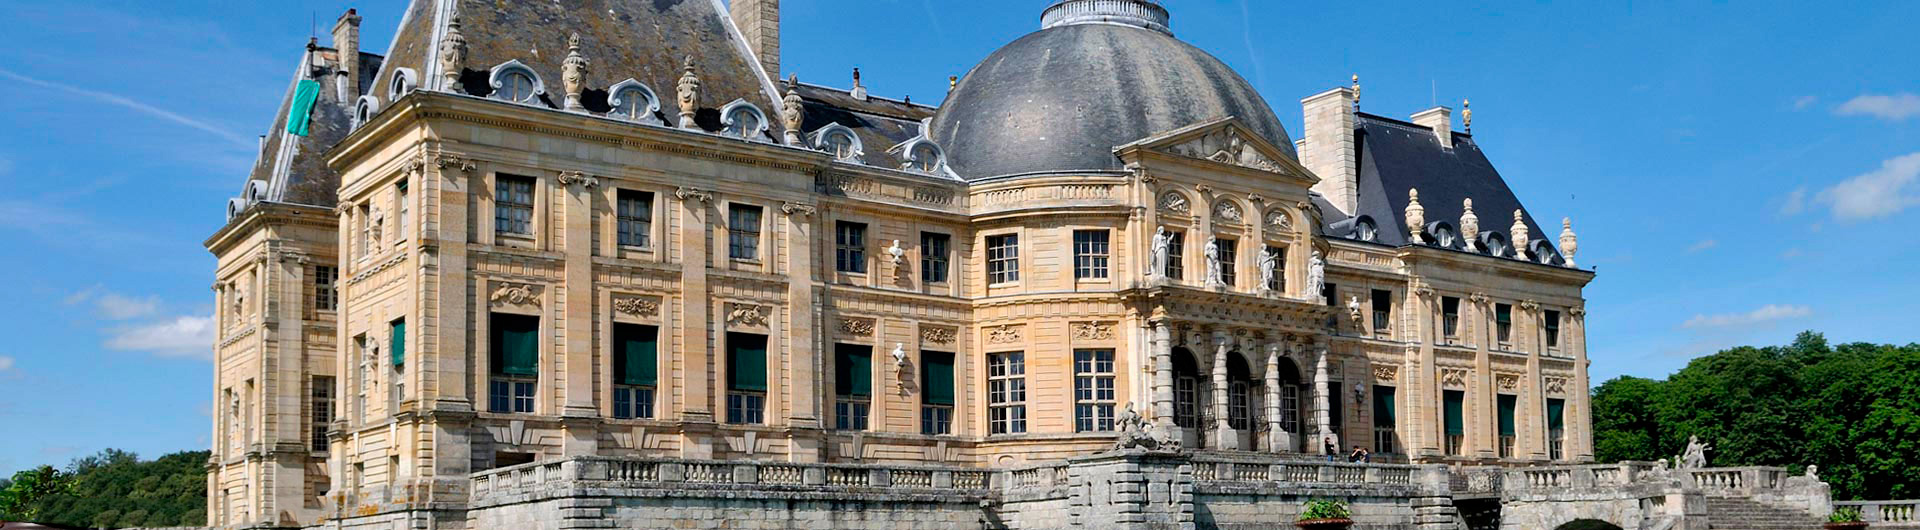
1455	402
936	378
1383	406
515	341
635	354
1506	414
853	370
1556	428
746	362
399	342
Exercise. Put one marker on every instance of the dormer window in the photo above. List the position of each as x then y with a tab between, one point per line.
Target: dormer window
840	144
926	157
1364	230
838	140
744	120
1496	245
404	81
364	109
517	88
633	101
515	82
1444	236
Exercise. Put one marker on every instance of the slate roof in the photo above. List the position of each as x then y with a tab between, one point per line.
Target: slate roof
879	123
291	168
1396	156
645	40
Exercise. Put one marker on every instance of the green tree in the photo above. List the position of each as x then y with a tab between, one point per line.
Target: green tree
1625	425
111	489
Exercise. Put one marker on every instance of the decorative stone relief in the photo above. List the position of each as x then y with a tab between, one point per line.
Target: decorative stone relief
1453	377
937	335
1227	145
1529	306
1555	386
445	162
1007	334
685	193
1227	211
794	208
1093	330
571	178
749	315
1507	381
1385	372
1280	221
1174	201
637	306
862	327
519	294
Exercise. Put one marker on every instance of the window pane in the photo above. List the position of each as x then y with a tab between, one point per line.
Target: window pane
743	232
933	257
513	205
1090	253
1003	258
635	216
850	247
1176	254
1229	261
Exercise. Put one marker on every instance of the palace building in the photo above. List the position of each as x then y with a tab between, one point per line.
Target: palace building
612	229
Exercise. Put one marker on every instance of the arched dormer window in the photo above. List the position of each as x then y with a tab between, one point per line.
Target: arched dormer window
1364	229
1442	234
235	206
256	191
1542	251
839	140
633	101
744	120
404	81
1495	244
922	155
515	82
364	109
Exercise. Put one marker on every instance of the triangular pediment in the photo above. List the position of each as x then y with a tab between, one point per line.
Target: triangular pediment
1224	140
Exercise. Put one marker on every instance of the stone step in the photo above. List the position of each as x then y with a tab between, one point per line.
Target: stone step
1743	514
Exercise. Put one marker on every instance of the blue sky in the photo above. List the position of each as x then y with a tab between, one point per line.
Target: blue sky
1737	171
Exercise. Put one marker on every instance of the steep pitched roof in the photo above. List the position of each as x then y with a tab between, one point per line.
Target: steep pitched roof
1396	156
645	40
879	123
290	168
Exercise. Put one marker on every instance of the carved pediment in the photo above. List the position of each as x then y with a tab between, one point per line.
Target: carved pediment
1223	140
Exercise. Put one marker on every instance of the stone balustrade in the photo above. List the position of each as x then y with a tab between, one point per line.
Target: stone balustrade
647	473
1881	514
1227	469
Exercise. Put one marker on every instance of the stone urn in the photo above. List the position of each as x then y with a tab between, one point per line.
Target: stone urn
1335	523
1850	525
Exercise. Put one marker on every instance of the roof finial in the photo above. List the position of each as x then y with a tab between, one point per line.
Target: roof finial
689	88
1416	216
859	92
1569	243
1469	223
1519	235
573	72
453	55
1466	114
953	81
1356	92
790	110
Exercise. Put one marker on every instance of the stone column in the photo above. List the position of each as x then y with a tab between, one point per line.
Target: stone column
693	344
802	357
1223	435
1278	439
1163	375
577	312
1322	406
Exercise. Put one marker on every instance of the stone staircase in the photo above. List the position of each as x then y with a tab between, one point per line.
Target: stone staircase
1725	513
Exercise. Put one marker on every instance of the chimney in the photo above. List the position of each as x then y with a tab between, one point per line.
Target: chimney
346	40
1327	145
1440	119
759	22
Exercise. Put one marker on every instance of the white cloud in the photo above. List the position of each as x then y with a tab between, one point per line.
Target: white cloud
1877	193
1703	245
1805	101
186	336
1766	313
1894	107
116	307
6	363
1795	203
143	108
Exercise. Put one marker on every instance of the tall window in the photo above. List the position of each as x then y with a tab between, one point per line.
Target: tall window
1229	261
635	370
1553	328
324	297
1503	324
322	419
1450	316
1383	419
1277	282
1007	393
1239	397
852	385
1453	419
1336	410
397	343
1382	310
514	342
1093	390
743	231
1331	295
1176	255
513	205
1003	258
850	247
1556	428
401	205
1090	250
933	257
635	215
746	378
936	392
1290	407
1186	402
1507	407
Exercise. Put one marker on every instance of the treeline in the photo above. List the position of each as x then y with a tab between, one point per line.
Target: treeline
1853	410
112	489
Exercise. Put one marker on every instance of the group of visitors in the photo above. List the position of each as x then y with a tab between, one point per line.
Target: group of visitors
1359	454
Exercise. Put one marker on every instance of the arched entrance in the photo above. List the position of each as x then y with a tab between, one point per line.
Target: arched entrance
1246	402
1588	524
1292	417
1189	393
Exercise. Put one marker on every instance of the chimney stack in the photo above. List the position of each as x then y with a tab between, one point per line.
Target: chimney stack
759	22
1440	119
346	40
1327	145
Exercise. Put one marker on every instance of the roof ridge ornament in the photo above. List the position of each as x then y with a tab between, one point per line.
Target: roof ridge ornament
1466	114
858	92
1569	243
1469	223
1144	14
790	110
1416	216
1356	92
453	55
689	88
1519	236
573	75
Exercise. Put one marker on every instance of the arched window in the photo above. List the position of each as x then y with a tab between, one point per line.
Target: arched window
744	120
1442	234
1495	244
364	109
1364	229
839	141
515	82
404	81
633	101
840	144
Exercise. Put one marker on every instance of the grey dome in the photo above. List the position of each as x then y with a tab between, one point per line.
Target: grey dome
1060	99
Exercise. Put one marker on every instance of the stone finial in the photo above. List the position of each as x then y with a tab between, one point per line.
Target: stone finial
1569	243
1356	91
453	55
1519	234
1416	216
859	92
573	72
689	88
953	82
790	110
1469	223
1466	114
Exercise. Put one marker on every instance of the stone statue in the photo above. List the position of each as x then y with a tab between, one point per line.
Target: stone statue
1316	272
1269	266
1157	263
1813	472
1660	473
1695	456
1136	434
896	252
1213	263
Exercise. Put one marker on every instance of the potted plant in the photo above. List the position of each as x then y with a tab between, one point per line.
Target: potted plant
1844	519
1324	515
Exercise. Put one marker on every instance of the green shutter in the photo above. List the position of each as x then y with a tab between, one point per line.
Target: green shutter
301	114
1455	422
1556	414
635	359
936	374
516	344
746	362
1506	414
399	345
1383	406
1503	314
1335	415
853	370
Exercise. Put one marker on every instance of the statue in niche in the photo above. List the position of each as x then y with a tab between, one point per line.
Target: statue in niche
1157	263
1695	456
1269	266
1213	263
1316	272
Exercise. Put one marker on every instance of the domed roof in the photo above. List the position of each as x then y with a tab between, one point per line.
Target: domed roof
1060	99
